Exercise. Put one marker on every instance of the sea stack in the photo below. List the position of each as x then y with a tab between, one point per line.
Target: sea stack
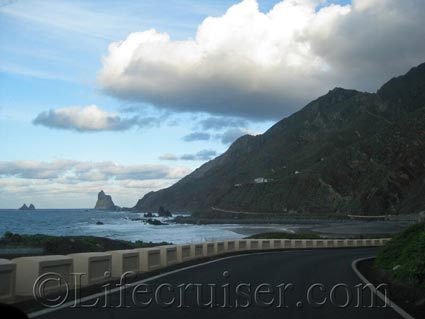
25	207
104	202
162	212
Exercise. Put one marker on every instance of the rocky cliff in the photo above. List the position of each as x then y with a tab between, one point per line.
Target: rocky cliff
104	202
346	152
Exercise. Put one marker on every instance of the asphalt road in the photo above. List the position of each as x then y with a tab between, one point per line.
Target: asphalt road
265	273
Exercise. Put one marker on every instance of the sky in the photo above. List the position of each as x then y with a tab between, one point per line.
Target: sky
131	96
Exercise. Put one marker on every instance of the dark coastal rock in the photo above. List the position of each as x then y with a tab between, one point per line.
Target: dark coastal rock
148	215
99	223
25	207
162	212
104	202
155	222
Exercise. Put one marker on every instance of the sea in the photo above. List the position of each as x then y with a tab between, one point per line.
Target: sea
122	225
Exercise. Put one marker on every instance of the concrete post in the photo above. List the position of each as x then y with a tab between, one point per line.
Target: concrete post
197	250
95	267
29	269
168	255
7	280
150	258
124	261
184	253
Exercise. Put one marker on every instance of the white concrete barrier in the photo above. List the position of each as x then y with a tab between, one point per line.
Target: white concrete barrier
168	255
95	267
319	243
287	243
384	241
254	244
308	243
277	243
298	243
7	280
349	243
358	242
367	242
265	244
197	250
208	249
124	261
184	253
230	245
29	269
340	243
219	247
150	258
241	244
329	243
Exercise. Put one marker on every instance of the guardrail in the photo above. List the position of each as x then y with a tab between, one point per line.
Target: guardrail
18	276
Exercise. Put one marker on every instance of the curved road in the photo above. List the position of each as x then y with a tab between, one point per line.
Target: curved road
265	273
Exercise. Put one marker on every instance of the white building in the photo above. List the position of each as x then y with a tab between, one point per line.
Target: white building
260	180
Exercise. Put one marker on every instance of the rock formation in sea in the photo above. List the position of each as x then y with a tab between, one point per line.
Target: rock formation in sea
104	202
162	212
25	207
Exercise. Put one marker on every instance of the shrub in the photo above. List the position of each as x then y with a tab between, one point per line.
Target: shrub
404	256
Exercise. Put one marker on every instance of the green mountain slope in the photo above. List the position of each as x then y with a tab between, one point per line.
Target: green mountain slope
347	152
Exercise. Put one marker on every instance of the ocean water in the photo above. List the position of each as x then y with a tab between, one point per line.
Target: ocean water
118	225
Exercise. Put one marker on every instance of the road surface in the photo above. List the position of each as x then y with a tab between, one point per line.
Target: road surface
248	286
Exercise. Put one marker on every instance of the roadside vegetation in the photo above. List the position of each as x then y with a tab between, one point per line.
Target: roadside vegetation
404	256
62	245
311	235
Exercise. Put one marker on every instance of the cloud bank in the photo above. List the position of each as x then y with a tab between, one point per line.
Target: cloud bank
70	171
197	136
168	157
232	134
204	155
89	118
260	66
78	182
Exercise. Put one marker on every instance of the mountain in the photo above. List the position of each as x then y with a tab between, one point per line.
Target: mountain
346	152
104	202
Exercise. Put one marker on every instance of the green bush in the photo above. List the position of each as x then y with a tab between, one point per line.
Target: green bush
404	256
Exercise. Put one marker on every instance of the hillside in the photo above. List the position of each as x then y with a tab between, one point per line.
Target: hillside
346	152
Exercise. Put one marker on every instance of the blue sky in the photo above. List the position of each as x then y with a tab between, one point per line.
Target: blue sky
56	61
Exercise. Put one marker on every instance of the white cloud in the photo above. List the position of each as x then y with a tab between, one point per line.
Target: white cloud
58	193
70	171
197	136
265	65
88	119
218	123
232	134
168	157
70	183
204	155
